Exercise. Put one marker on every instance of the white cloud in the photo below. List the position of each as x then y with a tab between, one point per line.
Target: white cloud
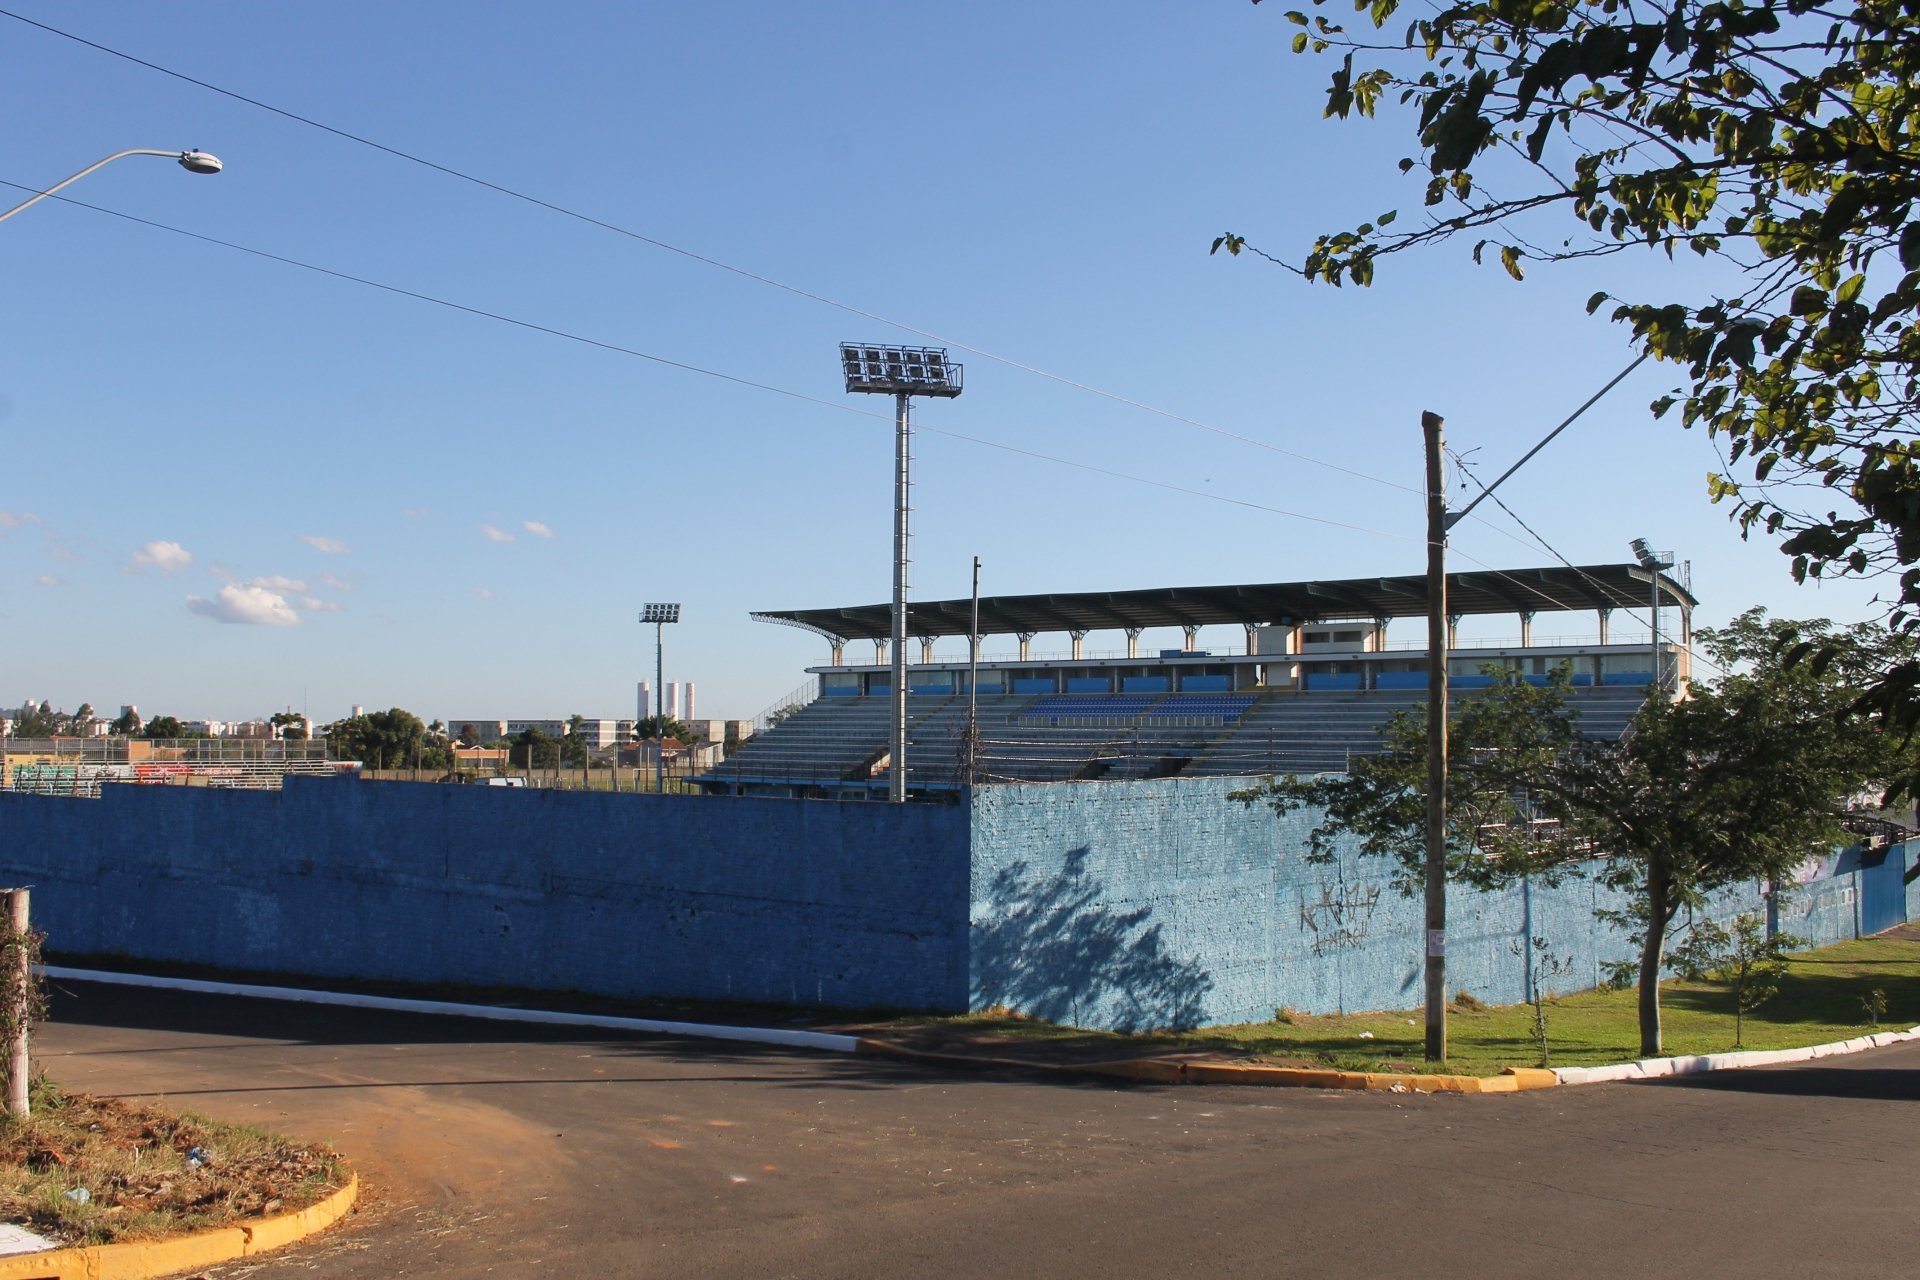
56	545
277	583
416	513
320	542
486	593
314	604
334	580
495	535
168	557
246	606
48	580
538	530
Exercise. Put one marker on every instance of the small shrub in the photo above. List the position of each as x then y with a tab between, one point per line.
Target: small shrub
1467	1002
1874	1006
1286	1017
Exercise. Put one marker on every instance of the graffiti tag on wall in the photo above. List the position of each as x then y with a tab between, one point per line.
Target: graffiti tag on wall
1340	917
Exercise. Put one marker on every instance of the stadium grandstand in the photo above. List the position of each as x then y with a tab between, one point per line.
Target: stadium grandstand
1309	689
78	766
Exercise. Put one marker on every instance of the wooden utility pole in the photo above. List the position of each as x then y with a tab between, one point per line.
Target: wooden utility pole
1436	878
19	988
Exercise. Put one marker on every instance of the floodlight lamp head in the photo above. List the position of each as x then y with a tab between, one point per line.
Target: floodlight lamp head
913	371
658	613
197	161
1648	557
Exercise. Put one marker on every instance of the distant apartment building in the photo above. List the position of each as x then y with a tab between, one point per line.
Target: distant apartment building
599	733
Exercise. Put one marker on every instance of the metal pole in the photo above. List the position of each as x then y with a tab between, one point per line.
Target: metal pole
1653	619
897	739
659	714
37	197
1436	869
973	682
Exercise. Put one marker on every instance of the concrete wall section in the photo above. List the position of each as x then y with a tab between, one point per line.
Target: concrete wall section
718	898
1115	905
1133	905
1121	905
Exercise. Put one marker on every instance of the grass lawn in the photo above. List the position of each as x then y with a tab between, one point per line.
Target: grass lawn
83	1170
1819	1001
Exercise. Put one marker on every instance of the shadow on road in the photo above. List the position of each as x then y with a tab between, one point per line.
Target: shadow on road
1889	1084
248	1021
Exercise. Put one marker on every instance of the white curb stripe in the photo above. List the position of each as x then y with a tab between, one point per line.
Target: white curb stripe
443	1008
1654	1068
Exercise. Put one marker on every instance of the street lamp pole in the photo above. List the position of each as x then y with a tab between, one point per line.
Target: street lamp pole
191	161
659	615
901	372
1653	562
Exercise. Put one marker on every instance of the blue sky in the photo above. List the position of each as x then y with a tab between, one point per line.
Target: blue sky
234	485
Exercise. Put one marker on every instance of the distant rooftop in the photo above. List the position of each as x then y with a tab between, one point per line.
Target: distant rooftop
1557	588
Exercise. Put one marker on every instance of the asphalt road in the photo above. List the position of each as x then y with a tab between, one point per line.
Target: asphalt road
494	1150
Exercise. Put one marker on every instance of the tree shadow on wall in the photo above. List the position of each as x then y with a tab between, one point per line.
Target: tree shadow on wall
1049	948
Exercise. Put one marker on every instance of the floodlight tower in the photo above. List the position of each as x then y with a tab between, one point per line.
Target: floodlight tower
659	615
1653	562
902	372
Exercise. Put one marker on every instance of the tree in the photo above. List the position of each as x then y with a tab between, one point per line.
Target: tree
531	749
652	725
573	748
391	739
39	722
1739	782
1781	141
164	729
1743	956
127	723
290	726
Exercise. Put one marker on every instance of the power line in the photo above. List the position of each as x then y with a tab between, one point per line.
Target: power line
735	379
705	259
1487	492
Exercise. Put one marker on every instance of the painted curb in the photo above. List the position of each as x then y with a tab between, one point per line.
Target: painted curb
446	1008
1511	1080
1684	1065
146	1259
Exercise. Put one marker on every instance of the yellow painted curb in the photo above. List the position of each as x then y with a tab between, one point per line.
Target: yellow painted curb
146	1259
1173	1071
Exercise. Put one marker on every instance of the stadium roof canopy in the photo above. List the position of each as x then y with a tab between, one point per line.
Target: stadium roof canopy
1555	589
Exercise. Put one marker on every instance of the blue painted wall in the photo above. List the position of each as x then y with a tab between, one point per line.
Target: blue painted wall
719	897
1133	905
1119	905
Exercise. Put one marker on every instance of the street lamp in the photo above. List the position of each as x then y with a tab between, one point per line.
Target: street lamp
659	615
192	161
1653	562
902	372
